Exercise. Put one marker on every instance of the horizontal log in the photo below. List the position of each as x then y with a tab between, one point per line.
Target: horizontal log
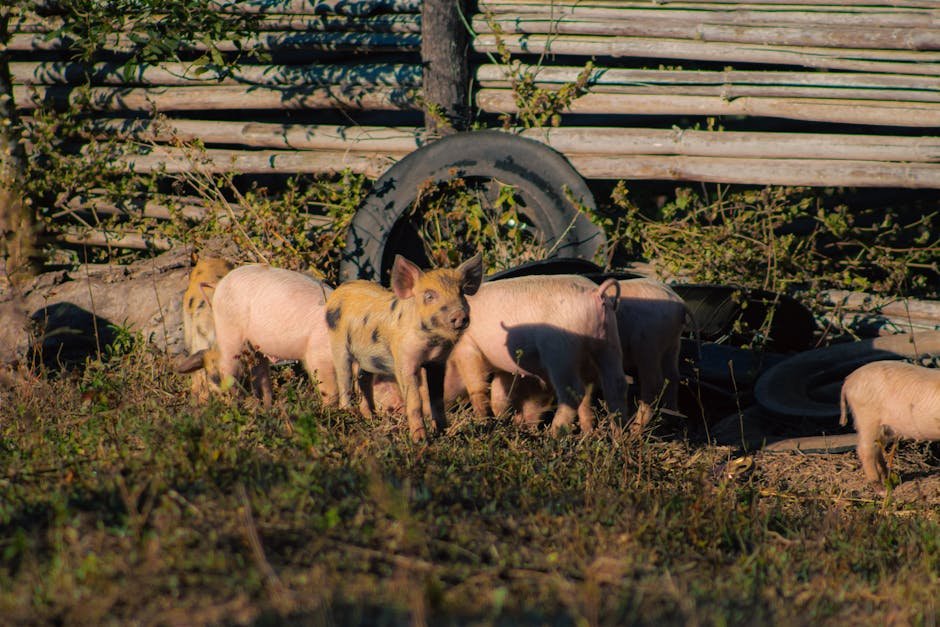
189	207
624	142
880	324
899	308
732	92
899	38
305	7
113	239
769	171
376	139
879	113
215	160
809	172
170	74
489	75
339	42
397	142
737	14
393	23
787	5
222	97
891	61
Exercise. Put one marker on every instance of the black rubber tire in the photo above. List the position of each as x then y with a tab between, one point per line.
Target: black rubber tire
807	385
539	174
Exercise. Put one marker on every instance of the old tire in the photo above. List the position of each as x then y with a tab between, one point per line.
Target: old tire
807	385
539	174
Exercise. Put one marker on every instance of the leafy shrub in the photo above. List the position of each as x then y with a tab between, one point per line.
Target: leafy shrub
782	239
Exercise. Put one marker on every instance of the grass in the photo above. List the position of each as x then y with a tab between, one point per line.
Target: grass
122	502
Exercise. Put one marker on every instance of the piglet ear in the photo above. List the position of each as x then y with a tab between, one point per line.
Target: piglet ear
404	276
609	293
471	274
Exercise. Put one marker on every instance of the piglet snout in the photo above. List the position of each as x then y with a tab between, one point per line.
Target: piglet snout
459	320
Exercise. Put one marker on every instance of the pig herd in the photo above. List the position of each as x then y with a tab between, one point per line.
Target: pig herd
514	346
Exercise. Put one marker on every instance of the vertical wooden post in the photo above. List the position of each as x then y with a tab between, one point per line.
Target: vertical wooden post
445	44
17	230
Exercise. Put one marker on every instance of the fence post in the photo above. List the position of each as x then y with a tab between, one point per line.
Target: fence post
17	229
445	44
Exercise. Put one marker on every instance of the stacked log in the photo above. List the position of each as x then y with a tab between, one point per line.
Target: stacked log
331	55
852	63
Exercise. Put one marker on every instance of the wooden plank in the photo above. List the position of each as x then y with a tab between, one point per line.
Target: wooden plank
899	38
810	172
223	97
891	61
314	74
879	113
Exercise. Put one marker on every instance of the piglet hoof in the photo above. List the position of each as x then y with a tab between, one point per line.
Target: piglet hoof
558	431
419	435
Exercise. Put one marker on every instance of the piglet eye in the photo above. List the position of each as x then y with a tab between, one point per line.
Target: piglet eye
430	296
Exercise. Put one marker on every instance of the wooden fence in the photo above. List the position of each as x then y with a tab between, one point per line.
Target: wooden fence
849	92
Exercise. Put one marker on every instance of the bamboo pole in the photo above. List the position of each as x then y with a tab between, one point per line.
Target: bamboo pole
215	98
740	15
624	142
191	208
216	160
732	92
810	172
358	8
492	75
175	74
398	142
391	23
879	113
113	239
891	61
893	307
376	139
339	42
787	5
901	38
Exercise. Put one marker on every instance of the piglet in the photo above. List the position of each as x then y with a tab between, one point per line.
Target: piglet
198	326
561	330
890	399
650	319
400	331
276	313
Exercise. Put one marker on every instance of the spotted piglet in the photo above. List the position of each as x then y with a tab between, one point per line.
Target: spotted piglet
198	326
400	331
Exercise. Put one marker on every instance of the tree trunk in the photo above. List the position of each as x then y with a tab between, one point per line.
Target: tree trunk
16	224
445	43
